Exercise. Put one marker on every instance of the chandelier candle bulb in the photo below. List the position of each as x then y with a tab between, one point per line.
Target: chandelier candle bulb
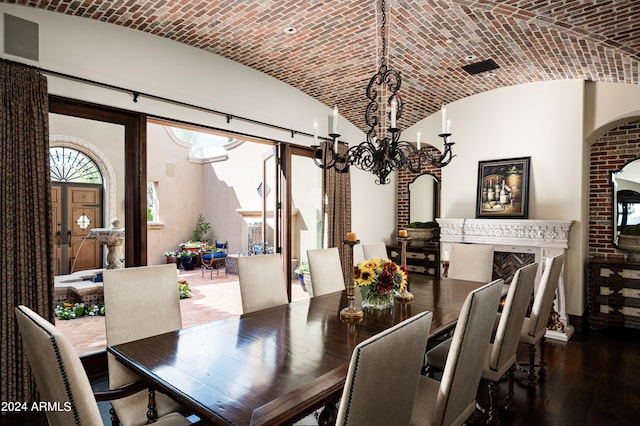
443	110
351	236
418	141
334	124
315	133
448	126
394	111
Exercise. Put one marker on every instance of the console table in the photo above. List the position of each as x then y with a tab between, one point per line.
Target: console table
614	293
423	260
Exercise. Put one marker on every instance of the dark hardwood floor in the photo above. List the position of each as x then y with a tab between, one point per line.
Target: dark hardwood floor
592	380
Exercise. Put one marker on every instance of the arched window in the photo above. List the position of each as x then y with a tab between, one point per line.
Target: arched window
70	165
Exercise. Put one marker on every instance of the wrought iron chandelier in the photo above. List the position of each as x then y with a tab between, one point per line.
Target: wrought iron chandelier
383	152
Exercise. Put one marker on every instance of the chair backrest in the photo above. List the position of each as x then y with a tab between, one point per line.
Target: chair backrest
262	283
543	300
462	371
473	262
388	362
375	250
139	302
223	247
58	372
505	343
326	271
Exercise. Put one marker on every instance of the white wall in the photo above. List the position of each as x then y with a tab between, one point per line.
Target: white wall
538	120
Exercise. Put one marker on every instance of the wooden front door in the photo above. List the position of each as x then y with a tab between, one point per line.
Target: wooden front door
77	210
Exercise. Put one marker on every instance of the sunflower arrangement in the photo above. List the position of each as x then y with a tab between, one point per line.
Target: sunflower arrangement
380	277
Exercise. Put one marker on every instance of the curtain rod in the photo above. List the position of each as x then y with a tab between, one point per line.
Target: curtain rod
136	94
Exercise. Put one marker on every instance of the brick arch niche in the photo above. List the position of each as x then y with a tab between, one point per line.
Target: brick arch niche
405	177
609	153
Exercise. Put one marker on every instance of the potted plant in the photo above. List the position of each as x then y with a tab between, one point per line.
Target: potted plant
201	228
172	257
300	271
421	232
629	241
188	260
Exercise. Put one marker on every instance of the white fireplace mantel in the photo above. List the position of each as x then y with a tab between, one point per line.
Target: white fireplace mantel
542	238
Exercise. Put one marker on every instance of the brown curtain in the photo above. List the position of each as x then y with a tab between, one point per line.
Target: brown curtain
26	256
336	209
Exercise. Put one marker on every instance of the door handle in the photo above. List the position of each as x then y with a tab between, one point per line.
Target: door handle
69	238
58	237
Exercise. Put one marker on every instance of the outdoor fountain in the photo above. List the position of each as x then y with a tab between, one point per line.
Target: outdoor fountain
113	238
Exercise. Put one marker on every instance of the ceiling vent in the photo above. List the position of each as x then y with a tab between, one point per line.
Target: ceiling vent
482	66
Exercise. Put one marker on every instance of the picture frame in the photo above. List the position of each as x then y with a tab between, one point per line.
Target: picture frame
503	188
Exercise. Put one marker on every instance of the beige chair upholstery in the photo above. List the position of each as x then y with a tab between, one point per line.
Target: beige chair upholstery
326	271
139	302
535	325
473	262
262	283
501	353
375	250
383	375
60	376
452	400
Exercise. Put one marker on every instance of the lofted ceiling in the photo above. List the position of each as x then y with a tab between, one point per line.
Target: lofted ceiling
332	53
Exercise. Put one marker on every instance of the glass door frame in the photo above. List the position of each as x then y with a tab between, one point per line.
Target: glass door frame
135	167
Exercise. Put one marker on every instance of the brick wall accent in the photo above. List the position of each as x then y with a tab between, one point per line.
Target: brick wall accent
609	153
405	177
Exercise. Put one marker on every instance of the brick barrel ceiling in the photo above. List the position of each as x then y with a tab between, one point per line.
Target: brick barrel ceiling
334	52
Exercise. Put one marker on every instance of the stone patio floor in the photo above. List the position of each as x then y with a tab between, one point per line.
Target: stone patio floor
212	299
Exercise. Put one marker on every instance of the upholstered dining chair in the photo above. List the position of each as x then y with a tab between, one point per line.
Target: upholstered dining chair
388	362
501	352
372	250
326	271
452	400
133	297
473	262
535	325
61	378
262	283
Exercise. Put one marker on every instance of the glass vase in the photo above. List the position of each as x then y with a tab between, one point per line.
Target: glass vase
377	301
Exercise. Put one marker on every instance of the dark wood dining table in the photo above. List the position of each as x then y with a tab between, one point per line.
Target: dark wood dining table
277	365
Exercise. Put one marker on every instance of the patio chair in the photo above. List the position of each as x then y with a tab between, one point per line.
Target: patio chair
61	378
262	283
214	259
325	269
133	297
391	361
453	399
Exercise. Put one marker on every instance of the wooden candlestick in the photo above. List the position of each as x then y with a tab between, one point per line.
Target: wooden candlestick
351	312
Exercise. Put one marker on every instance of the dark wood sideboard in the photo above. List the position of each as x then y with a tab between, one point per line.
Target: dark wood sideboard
423	260
614	294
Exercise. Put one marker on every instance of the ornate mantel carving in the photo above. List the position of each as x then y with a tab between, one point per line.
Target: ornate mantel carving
543	238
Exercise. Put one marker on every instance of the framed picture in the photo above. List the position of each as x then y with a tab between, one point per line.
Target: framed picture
503	188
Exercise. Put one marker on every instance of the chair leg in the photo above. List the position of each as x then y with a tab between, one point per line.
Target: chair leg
542	371
152	413
532	373
509	405
114	417
494	417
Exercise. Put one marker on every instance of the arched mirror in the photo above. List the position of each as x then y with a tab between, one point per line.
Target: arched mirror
424	199
626	197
